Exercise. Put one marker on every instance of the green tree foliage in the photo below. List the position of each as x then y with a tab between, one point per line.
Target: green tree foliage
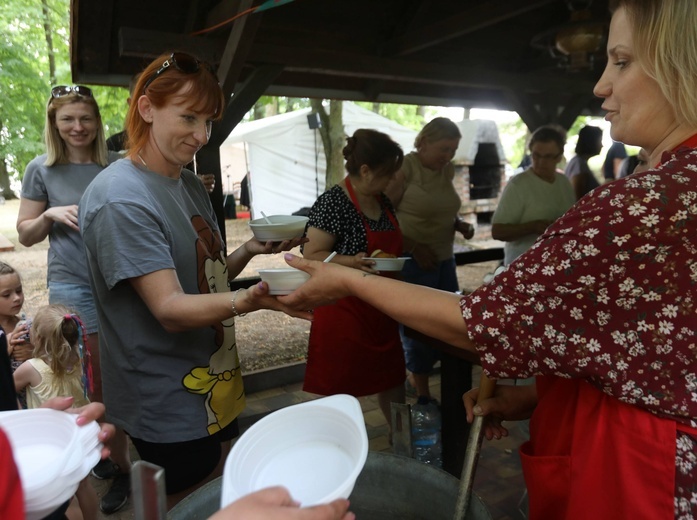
271	105
411	116
514	138
25	81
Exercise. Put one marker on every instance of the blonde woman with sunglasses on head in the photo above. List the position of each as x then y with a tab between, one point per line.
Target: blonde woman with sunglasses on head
51	190
52	187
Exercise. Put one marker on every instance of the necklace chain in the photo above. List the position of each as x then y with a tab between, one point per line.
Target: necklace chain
141	159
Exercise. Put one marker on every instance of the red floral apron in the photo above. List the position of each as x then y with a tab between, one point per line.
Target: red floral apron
592	456
354	348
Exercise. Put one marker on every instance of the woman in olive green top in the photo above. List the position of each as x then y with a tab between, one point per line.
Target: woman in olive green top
427	208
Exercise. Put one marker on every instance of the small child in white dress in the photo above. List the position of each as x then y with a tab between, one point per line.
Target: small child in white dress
58	368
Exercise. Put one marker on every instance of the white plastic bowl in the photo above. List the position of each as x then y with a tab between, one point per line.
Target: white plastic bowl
53	454
282	227
42	442
37	512
315	449
390	264
283	280
81	461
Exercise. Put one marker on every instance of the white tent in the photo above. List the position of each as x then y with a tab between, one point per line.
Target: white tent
285	158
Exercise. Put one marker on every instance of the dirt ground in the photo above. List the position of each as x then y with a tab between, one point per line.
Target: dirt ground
265	338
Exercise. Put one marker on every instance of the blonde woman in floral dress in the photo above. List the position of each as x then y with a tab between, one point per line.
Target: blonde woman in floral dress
602	308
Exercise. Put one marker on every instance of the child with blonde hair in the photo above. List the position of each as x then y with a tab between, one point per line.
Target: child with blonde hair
59	367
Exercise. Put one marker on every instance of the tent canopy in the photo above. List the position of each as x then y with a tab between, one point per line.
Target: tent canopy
285	157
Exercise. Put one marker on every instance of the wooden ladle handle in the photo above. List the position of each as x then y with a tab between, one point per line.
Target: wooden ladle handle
487	387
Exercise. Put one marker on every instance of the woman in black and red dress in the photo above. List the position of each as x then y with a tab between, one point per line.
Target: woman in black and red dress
354	348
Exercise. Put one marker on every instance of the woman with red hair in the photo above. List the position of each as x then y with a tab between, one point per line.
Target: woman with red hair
160	276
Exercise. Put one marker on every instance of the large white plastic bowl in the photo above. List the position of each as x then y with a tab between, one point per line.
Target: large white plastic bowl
282	227
315	449
42	442
283	280
53	454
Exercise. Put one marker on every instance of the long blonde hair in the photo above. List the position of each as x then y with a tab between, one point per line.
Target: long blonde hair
56	151
664	34
55	334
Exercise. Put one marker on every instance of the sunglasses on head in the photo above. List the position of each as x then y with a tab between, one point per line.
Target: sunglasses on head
66	90
182	62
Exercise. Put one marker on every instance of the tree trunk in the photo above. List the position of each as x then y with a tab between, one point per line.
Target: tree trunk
5	190
258	111
49	42
337	136
332	132
272	108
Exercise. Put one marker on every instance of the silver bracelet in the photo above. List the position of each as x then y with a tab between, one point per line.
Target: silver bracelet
235	313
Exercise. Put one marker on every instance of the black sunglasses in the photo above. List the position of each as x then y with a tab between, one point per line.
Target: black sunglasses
182	62
66	90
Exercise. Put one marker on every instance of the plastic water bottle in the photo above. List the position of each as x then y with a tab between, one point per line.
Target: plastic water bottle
425	433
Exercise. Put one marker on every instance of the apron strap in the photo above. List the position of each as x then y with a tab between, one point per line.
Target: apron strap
354	199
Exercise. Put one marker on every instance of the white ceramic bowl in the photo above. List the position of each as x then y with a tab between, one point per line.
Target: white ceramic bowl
282	227
315	449
389	264
283	280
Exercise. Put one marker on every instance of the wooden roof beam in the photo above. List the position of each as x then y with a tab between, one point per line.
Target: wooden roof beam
323	62
237	48
98	52
468	21
140	43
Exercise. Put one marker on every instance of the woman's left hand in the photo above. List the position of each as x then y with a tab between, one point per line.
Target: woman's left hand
275	503
85	414
258	297
328	283
465	228
509	403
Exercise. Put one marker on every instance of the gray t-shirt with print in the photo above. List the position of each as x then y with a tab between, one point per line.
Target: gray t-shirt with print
159	386
62	185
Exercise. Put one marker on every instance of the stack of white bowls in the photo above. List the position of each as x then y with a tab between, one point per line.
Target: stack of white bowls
53	454
315	449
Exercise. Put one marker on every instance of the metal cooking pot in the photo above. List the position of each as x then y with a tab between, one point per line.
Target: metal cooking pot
390	487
